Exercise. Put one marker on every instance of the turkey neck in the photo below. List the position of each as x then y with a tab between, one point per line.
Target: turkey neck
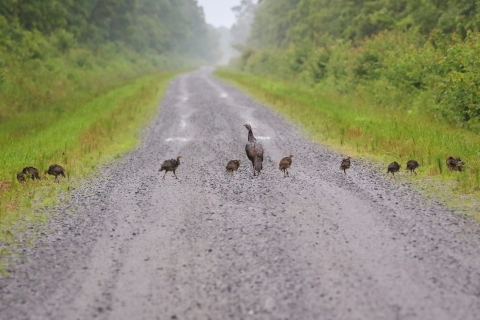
251	138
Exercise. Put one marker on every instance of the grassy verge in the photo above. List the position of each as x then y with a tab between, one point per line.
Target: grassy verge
97	132
358	128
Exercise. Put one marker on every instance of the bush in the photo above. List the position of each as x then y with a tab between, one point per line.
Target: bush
64	41
395	69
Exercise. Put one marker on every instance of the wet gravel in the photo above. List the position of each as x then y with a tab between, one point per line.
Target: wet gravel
316	245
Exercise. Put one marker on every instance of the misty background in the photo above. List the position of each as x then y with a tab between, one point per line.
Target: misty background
232	21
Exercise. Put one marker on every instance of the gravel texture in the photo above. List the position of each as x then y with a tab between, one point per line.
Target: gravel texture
316	245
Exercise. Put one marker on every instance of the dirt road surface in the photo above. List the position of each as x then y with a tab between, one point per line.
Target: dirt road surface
316	245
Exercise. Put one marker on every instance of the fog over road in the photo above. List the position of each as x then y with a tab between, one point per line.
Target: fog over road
316	245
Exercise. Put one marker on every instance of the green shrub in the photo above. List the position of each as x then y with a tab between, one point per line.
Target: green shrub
437	75
64	41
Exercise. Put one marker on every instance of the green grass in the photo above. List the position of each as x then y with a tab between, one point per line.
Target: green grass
360	129
90	135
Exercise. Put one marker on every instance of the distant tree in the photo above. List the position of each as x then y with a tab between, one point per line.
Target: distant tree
245	13
158	26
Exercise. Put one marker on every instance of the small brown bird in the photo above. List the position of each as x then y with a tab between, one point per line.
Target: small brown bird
454	164
56	170
28	173
393	167
412	165
21	177
170	165
285	163
345	165
232	166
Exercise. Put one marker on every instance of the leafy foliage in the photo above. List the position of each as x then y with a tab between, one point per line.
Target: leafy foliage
283	22
413	55
160	26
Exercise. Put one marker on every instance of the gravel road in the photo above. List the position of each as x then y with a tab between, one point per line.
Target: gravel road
316	245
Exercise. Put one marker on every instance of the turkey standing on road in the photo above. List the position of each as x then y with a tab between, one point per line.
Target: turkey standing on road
254	151
233	166
170	165
28	173
285	163
345	165
412	165
393	167
454	164
56	170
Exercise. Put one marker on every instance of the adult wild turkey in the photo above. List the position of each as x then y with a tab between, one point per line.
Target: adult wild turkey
55	170
285	163
393	167
232	166
254	151
412	165
345	165
170	165
28	173
454	164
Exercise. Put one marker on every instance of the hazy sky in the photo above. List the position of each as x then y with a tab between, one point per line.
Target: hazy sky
219	12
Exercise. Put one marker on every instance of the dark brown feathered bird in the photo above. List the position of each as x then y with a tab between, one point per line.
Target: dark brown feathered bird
28	173
21	177
232	166
412	165
393	167
55	170
345	165
254	151
285	163
454	164
170	165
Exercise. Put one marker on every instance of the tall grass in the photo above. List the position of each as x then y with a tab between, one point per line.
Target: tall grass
355	126
80	140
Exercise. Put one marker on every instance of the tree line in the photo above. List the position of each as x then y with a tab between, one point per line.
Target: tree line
421	56
282	22
152	26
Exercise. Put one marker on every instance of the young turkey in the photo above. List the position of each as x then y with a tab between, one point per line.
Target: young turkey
254	151
21	177
55	170
170	165
232	166
454	164
393	167
345	165
412	165
285	163
29	173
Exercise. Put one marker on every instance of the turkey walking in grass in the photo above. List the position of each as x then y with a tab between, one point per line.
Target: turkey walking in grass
285	163
412	165
21	177
170	165
345	165
28	173
232	166
393	167
454	164
55	170
254	151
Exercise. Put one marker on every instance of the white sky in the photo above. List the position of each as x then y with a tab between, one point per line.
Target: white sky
219	12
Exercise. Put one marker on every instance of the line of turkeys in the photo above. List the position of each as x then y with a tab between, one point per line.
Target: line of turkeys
31	173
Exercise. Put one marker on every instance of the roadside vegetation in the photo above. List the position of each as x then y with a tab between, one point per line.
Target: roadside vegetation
78	80
396	80
100	130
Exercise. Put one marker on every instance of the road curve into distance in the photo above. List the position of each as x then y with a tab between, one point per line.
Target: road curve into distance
315	245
